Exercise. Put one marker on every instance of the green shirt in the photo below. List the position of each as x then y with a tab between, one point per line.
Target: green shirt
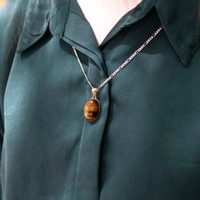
145	144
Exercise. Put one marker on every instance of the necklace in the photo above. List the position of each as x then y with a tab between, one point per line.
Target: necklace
92	106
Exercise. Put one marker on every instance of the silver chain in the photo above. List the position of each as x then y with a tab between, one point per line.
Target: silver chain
122	65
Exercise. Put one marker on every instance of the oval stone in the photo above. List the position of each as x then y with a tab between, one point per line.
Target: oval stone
92	109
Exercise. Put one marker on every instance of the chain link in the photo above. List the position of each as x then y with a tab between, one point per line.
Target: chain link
122	65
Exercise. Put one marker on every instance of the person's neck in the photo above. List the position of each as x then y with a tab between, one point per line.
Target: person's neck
104	14
2	2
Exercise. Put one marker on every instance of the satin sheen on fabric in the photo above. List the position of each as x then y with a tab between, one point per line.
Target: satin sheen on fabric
145	142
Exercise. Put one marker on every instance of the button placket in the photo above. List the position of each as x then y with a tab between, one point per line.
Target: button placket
87	182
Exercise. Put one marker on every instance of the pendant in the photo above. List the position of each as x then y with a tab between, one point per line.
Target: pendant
92	107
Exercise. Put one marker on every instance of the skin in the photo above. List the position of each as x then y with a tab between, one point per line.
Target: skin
104	14
2	2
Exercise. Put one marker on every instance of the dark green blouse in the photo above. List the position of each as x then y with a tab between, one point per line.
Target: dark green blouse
145	145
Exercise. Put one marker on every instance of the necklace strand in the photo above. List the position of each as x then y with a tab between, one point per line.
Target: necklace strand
92	106
121	66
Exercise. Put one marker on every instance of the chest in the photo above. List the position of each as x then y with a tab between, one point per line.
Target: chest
103	15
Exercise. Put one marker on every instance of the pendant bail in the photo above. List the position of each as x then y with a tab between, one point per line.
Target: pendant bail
94	92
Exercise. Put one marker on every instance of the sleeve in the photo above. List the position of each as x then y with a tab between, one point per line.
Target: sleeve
11	20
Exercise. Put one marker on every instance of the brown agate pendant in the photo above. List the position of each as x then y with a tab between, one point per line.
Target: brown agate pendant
92	107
